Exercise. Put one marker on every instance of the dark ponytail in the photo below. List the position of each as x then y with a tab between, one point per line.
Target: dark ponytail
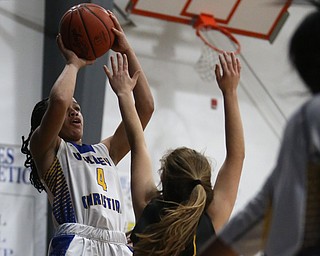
36	117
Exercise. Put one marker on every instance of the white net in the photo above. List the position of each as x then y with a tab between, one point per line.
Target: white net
209	57
205	65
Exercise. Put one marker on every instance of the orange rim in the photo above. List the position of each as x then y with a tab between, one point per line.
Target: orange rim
224	31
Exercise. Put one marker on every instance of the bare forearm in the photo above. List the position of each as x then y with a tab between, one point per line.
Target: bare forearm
218	248
142	93
130	119
134	63
63	89
142	184
228	178
233	126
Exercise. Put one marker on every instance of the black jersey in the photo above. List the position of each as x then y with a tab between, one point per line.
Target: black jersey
151	214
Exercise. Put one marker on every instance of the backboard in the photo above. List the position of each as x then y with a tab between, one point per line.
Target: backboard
255	18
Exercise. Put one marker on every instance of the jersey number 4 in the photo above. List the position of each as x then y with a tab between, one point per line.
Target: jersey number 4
100	179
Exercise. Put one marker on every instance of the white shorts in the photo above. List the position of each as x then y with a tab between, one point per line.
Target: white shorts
73	239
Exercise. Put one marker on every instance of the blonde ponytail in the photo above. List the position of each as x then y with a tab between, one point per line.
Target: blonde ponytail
175	230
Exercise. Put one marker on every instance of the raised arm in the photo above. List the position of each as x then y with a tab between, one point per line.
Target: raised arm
142	183
118	143
226	186
45	139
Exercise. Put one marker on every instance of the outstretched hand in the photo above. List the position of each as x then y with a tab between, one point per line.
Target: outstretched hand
228	72
70	56
121	43
119	78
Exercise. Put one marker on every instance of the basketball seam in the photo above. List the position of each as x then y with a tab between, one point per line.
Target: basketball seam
107	28
69	30
66	38
86	30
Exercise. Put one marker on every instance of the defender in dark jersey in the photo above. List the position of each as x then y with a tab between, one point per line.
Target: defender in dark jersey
155	211
177	219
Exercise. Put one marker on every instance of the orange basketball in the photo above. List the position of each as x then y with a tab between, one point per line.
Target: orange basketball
86	30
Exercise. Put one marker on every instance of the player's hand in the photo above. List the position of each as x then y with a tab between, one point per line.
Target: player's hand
119	78
121	43
70	56
228	72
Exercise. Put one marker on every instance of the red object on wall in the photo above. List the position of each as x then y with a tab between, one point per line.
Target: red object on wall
214	103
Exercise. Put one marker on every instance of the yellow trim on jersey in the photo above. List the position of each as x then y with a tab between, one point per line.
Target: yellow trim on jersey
267	224
194	245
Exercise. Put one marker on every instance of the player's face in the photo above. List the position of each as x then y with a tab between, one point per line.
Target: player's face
72	129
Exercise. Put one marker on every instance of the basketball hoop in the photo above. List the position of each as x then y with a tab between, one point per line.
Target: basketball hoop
207	29
207	22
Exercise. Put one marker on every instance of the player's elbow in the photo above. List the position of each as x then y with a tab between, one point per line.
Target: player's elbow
145	112
148	107
239	154
242	155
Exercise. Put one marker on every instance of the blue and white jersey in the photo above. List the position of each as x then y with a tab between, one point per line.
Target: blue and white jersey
83	187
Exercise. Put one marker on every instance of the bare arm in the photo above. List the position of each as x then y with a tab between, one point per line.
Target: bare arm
226	186
142	183
45	140
218	248
118	143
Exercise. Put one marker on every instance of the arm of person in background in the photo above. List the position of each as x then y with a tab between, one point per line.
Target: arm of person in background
246	232
226	185
218	248
118	144
45	140
142	183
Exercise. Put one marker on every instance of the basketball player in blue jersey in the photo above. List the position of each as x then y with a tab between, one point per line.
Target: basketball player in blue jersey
81	181
180	218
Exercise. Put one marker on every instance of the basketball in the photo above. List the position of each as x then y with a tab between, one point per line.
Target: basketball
86	30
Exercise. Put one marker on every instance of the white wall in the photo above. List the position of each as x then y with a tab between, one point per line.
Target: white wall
23	210
21	44
168	53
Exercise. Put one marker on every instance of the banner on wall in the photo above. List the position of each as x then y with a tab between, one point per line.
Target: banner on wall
23	210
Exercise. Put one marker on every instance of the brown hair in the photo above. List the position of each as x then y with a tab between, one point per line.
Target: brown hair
186	184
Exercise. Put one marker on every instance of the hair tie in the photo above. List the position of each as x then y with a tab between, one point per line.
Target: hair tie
196	182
